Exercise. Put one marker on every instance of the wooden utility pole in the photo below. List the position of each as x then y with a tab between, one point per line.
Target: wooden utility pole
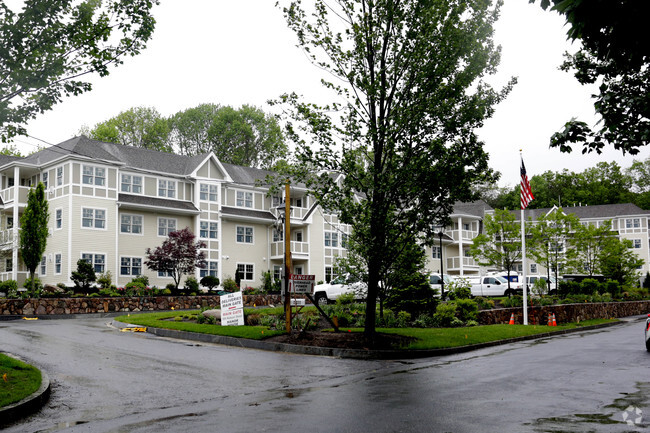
287	256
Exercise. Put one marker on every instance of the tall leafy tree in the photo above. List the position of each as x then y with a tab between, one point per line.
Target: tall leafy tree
49	47
247	137
614	54
618	261
34	230
139	127
189	129
588	240
500	243
408	95
178	255
550	240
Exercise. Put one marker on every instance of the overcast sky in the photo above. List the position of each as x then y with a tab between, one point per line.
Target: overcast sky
241	52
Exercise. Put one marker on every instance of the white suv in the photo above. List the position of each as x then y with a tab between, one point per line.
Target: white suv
329	292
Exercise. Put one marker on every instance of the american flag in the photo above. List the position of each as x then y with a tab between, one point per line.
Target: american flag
526	193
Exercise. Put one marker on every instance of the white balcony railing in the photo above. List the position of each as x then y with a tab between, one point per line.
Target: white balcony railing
297	248
455	262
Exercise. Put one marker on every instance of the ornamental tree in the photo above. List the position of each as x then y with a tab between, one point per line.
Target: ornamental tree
406	81
500	243
34	230
178	255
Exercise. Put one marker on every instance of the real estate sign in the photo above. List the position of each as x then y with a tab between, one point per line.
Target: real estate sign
302	283
232	309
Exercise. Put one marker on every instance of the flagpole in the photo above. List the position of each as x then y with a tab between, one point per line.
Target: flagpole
523	242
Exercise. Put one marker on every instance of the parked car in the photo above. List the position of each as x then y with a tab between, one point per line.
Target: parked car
647	333
493	285
531	282
328	292
435	281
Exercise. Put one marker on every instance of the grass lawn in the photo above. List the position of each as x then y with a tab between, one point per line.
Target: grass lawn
427	338
157	320
17	380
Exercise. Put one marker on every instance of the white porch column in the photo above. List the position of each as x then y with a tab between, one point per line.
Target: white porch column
16	238
460	245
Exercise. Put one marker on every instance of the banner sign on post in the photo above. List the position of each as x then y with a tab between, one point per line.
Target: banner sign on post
232	309
301	284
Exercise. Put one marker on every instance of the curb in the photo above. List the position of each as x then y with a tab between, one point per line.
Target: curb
29	404
349	353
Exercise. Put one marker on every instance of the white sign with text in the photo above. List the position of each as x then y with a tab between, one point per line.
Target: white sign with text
232	309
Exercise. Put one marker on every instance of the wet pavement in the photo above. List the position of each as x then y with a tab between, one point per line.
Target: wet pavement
104	380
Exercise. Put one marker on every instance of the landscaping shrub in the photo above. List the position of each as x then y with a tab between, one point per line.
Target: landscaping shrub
141	279
514	301
445	314
10	288
459	290
230	285
191	285
466	309
210	281
589	286
566	288
267	281
345	299
484	303
613	287
424	321
83	276
415	296
38	287
105	280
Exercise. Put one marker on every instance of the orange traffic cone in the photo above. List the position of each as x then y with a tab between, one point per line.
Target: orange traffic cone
550	320
554	322
512	319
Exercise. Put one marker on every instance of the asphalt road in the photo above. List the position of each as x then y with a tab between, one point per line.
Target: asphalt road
108	381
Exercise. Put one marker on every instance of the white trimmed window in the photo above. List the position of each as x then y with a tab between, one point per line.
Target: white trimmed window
58	219
44	179
93	218
209	230
246	271
131	224
166	225
57	264
9	265
533	268
436	252
277	272
98	261
332	239
244	235
278	236
244	199
93	175
208	192
328	274
43	269
211	269
59	176
131	183
130	266
636	243
166	188
165	274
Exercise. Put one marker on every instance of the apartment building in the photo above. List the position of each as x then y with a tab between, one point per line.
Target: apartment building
108	203
628	222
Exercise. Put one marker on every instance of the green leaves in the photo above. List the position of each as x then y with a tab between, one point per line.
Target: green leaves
51	44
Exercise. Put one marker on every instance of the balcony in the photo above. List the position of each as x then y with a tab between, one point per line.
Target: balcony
462	235
298	249
7	240
8	194
454	263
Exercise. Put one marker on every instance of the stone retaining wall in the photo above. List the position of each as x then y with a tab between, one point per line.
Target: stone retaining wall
45	306
566	312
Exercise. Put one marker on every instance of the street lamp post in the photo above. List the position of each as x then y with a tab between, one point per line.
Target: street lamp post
442	271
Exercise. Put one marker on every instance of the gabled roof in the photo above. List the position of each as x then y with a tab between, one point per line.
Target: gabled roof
476	208
128	156
247	175
603	211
